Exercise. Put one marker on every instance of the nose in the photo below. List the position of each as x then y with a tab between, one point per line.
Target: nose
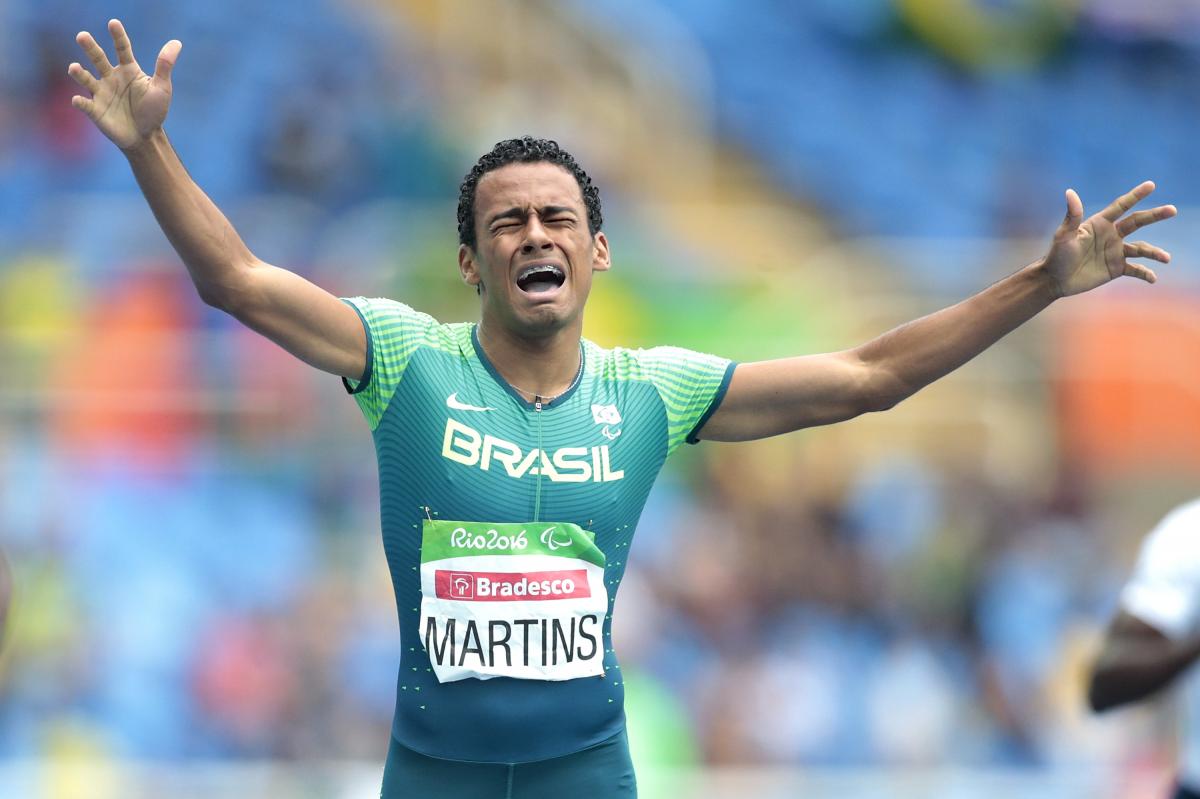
536	237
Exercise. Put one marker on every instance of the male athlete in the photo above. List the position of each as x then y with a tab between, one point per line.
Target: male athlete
515	456
1154	638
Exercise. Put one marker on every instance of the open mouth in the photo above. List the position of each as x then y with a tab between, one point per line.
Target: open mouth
539	278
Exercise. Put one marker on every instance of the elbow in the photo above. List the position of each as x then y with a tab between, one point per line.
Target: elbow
213	298
882	402
881	390
883	396
229	291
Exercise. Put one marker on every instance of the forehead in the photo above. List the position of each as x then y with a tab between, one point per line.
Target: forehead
522	185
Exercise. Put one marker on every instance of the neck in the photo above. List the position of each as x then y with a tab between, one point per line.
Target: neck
544	366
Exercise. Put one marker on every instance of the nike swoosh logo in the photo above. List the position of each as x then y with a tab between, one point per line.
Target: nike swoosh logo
452	402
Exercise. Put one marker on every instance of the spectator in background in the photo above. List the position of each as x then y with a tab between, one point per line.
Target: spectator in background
1154	639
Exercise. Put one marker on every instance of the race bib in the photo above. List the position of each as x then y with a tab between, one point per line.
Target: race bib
512	600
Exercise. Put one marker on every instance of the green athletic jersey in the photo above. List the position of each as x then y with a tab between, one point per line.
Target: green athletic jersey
507	525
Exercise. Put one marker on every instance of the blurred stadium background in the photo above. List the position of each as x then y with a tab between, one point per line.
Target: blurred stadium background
907	603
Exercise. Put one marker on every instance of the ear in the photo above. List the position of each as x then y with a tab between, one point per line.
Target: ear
601	257
467	266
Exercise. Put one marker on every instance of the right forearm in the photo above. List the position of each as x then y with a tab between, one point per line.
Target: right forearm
215	256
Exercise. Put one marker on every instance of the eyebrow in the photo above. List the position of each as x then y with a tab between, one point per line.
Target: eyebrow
519	213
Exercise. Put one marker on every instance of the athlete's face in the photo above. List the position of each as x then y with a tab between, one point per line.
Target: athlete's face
534	256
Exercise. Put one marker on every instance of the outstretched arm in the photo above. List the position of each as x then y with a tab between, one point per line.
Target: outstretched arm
771	397
129	107
1137	660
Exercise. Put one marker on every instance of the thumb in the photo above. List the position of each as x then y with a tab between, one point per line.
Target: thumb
1074	213
166	60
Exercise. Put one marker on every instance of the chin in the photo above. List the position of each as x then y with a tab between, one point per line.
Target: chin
535	320
544	321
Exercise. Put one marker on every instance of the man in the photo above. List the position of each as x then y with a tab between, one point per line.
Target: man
515	457
1154	638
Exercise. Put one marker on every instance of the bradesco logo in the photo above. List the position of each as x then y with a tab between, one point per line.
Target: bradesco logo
462	585
511	586
468	446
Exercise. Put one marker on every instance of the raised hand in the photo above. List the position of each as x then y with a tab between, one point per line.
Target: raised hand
127	105
1090	253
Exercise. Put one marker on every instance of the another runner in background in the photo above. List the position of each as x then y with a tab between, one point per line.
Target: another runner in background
1154	638
515	457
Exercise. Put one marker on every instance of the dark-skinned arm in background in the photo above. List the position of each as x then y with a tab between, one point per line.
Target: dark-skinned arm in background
1136	661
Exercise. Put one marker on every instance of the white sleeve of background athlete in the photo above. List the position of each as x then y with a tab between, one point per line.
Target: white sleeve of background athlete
1164	590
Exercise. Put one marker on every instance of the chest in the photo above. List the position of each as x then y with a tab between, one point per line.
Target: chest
465	430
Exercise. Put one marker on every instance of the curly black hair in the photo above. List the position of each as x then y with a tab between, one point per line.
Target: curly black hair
526	149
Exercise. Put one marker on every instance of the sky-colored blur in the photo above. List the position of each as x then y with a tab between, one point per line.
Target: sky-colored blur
191	516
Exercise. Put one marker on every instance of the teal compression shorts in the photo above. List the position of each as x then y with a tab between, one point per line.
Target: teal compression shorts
603	771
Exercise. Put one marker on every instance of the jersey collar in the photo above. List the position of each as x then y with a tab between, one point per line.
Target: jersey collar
487	364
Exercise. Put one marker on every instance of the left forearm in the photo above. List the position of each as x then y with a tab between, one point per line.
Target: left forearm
915	354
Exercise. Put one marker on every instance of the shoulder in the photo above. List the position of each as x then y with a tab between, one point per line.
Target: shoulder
614	363
393	321
651	365
383	310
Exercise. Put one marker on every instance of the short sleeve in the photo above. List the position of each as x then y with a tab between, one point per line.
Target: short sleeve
1164	590
394	332
691	385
